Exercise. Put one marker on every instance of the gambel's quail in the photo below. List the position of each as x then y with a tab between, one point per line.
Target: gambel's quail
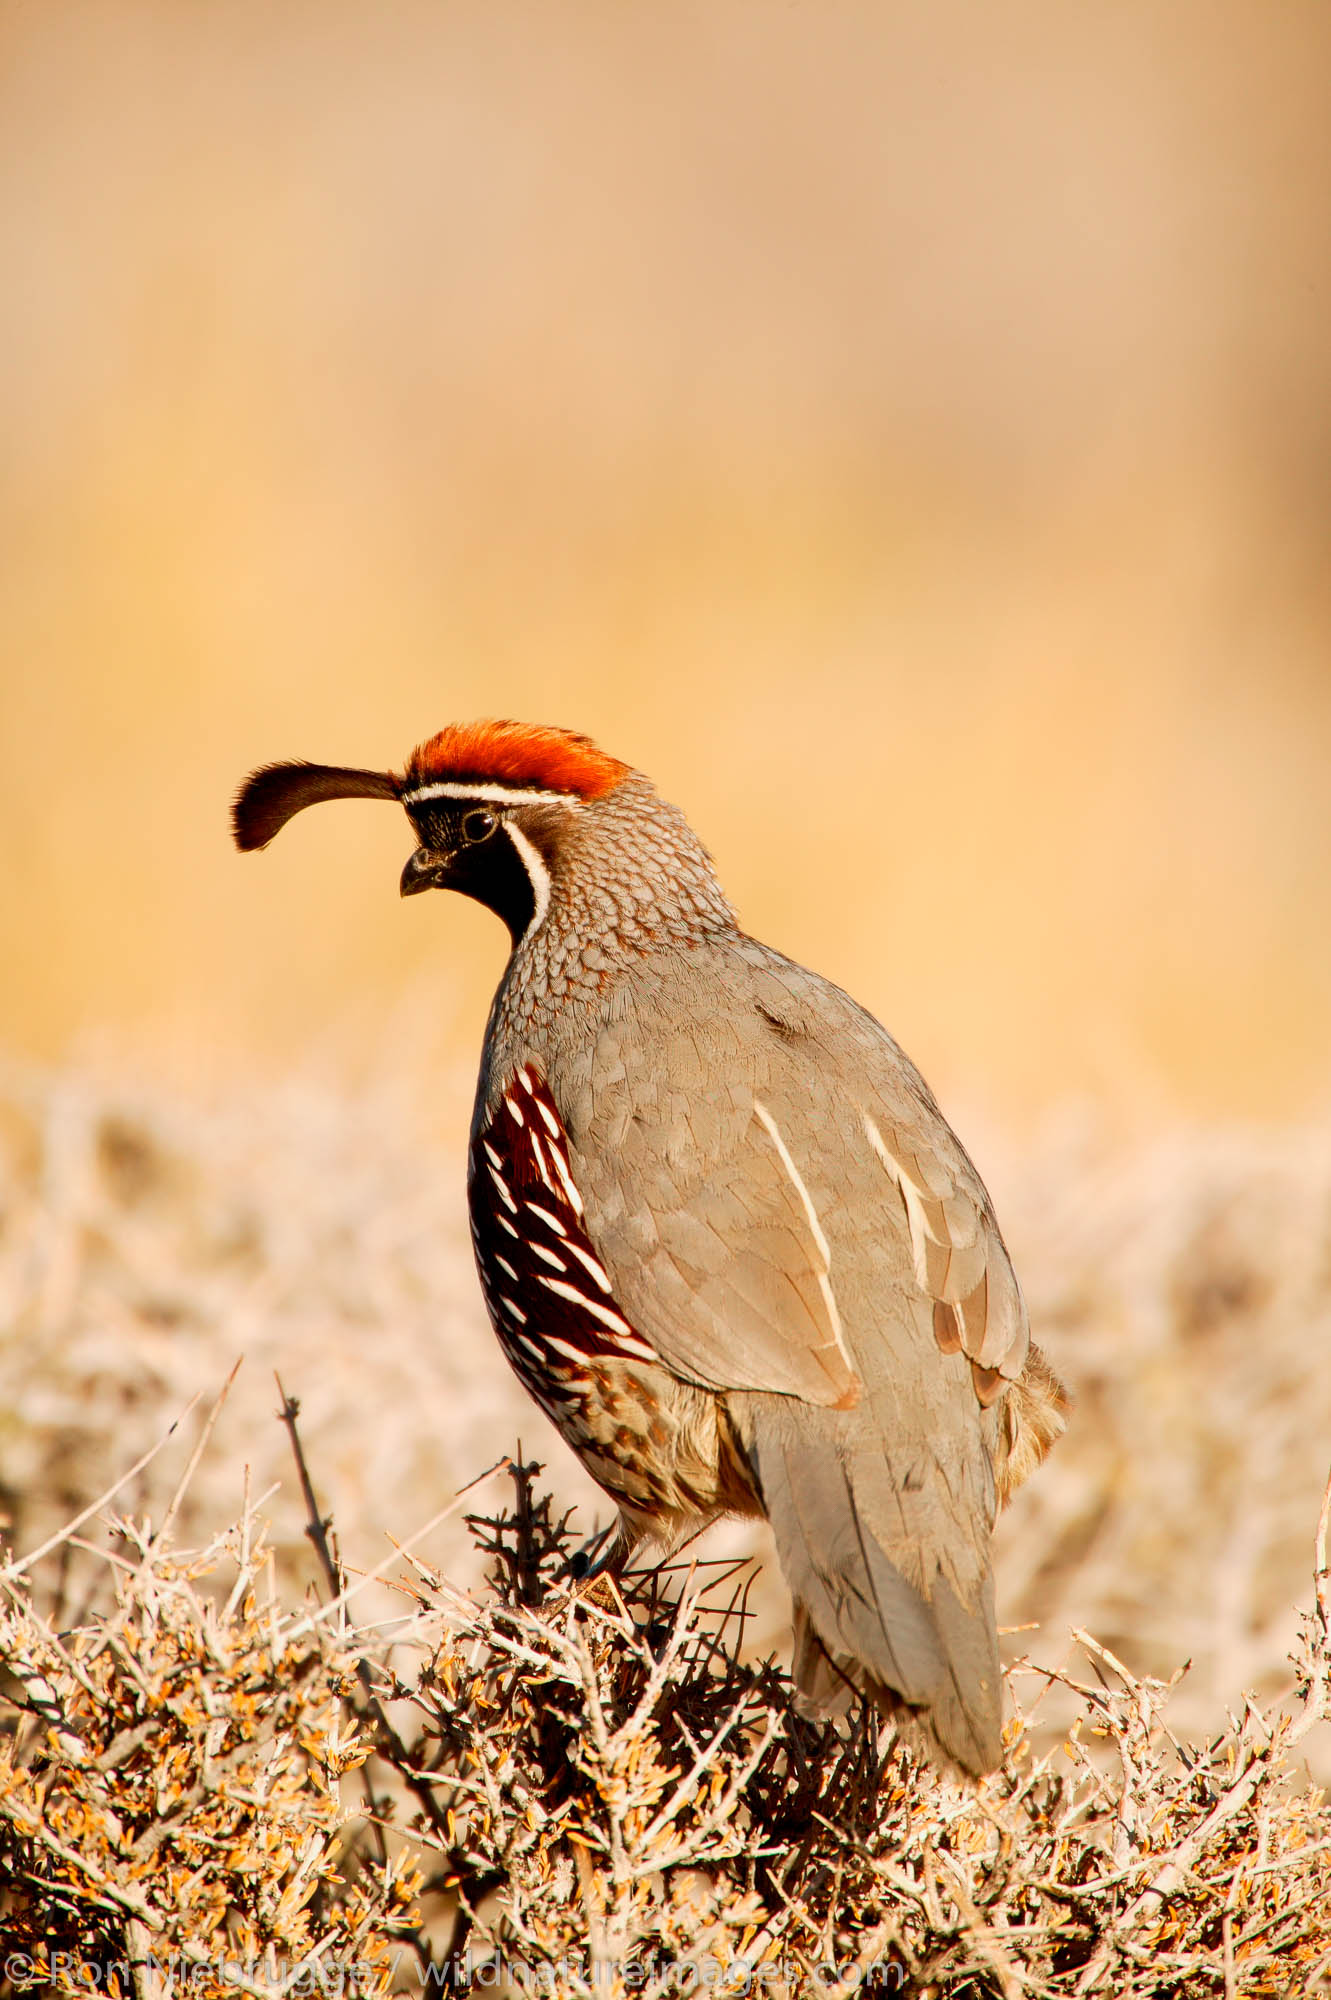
726	1237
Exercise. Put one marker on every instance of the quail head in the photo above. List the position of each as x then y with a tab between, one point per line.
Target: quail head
725	1235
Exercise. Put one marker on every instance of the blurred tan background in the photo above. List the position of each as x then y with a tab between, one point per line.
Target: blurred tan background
905	431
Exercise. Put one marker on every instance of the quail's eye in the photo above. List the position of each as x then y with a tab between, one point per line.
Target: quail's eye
478	825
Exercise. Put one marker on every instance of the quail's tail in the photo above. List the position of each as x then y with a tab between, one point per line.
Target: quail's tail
925	1650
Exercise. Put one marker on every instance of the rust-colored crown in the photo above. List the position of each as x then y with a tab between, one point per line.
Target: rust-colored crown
521	754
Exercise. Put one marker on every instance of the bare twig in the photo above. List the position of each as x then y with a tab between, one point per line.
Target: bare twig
23	1564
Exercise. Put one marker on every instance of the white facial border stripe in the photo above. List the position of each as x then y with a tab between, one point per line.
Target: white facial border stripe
499	795
538	874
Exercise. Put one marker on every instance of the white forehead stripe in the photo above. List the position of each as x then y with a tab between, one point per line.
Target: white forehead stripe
499	795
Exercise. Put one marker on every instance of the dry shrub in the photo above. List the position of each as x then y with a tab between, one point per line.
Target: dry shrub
592	1782
582	1786
171	1783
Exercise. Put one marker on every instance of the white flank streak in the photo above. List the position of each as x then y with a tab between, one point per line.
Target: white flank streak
512	1104
491	1155
499	795
506	1267
539	1152
524	1078
914	1213
504	1223
815	1227
533	1347
504	1194
565	1348
549	1119
561	1168
551	1221
638	1350
607	1316
594	1270
514	1312
539	876
550	1257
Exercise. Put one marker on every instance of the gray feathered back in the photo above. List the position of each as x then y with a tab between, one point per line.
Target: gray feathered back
788	1218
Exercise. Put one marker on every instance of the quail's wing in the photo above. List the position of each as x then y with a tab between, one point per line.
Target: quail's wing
714	1247
775	1193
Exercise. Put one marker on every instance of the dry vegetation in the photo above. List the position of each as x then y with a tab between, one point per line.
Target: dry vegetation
584	1790
207	1768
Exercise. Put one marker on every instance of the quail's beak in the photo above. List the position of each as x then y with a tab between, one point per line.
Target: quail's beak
425	870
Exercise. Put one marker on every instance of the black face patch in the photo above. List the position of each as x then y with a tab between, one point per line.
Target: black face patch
477	857
439	823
